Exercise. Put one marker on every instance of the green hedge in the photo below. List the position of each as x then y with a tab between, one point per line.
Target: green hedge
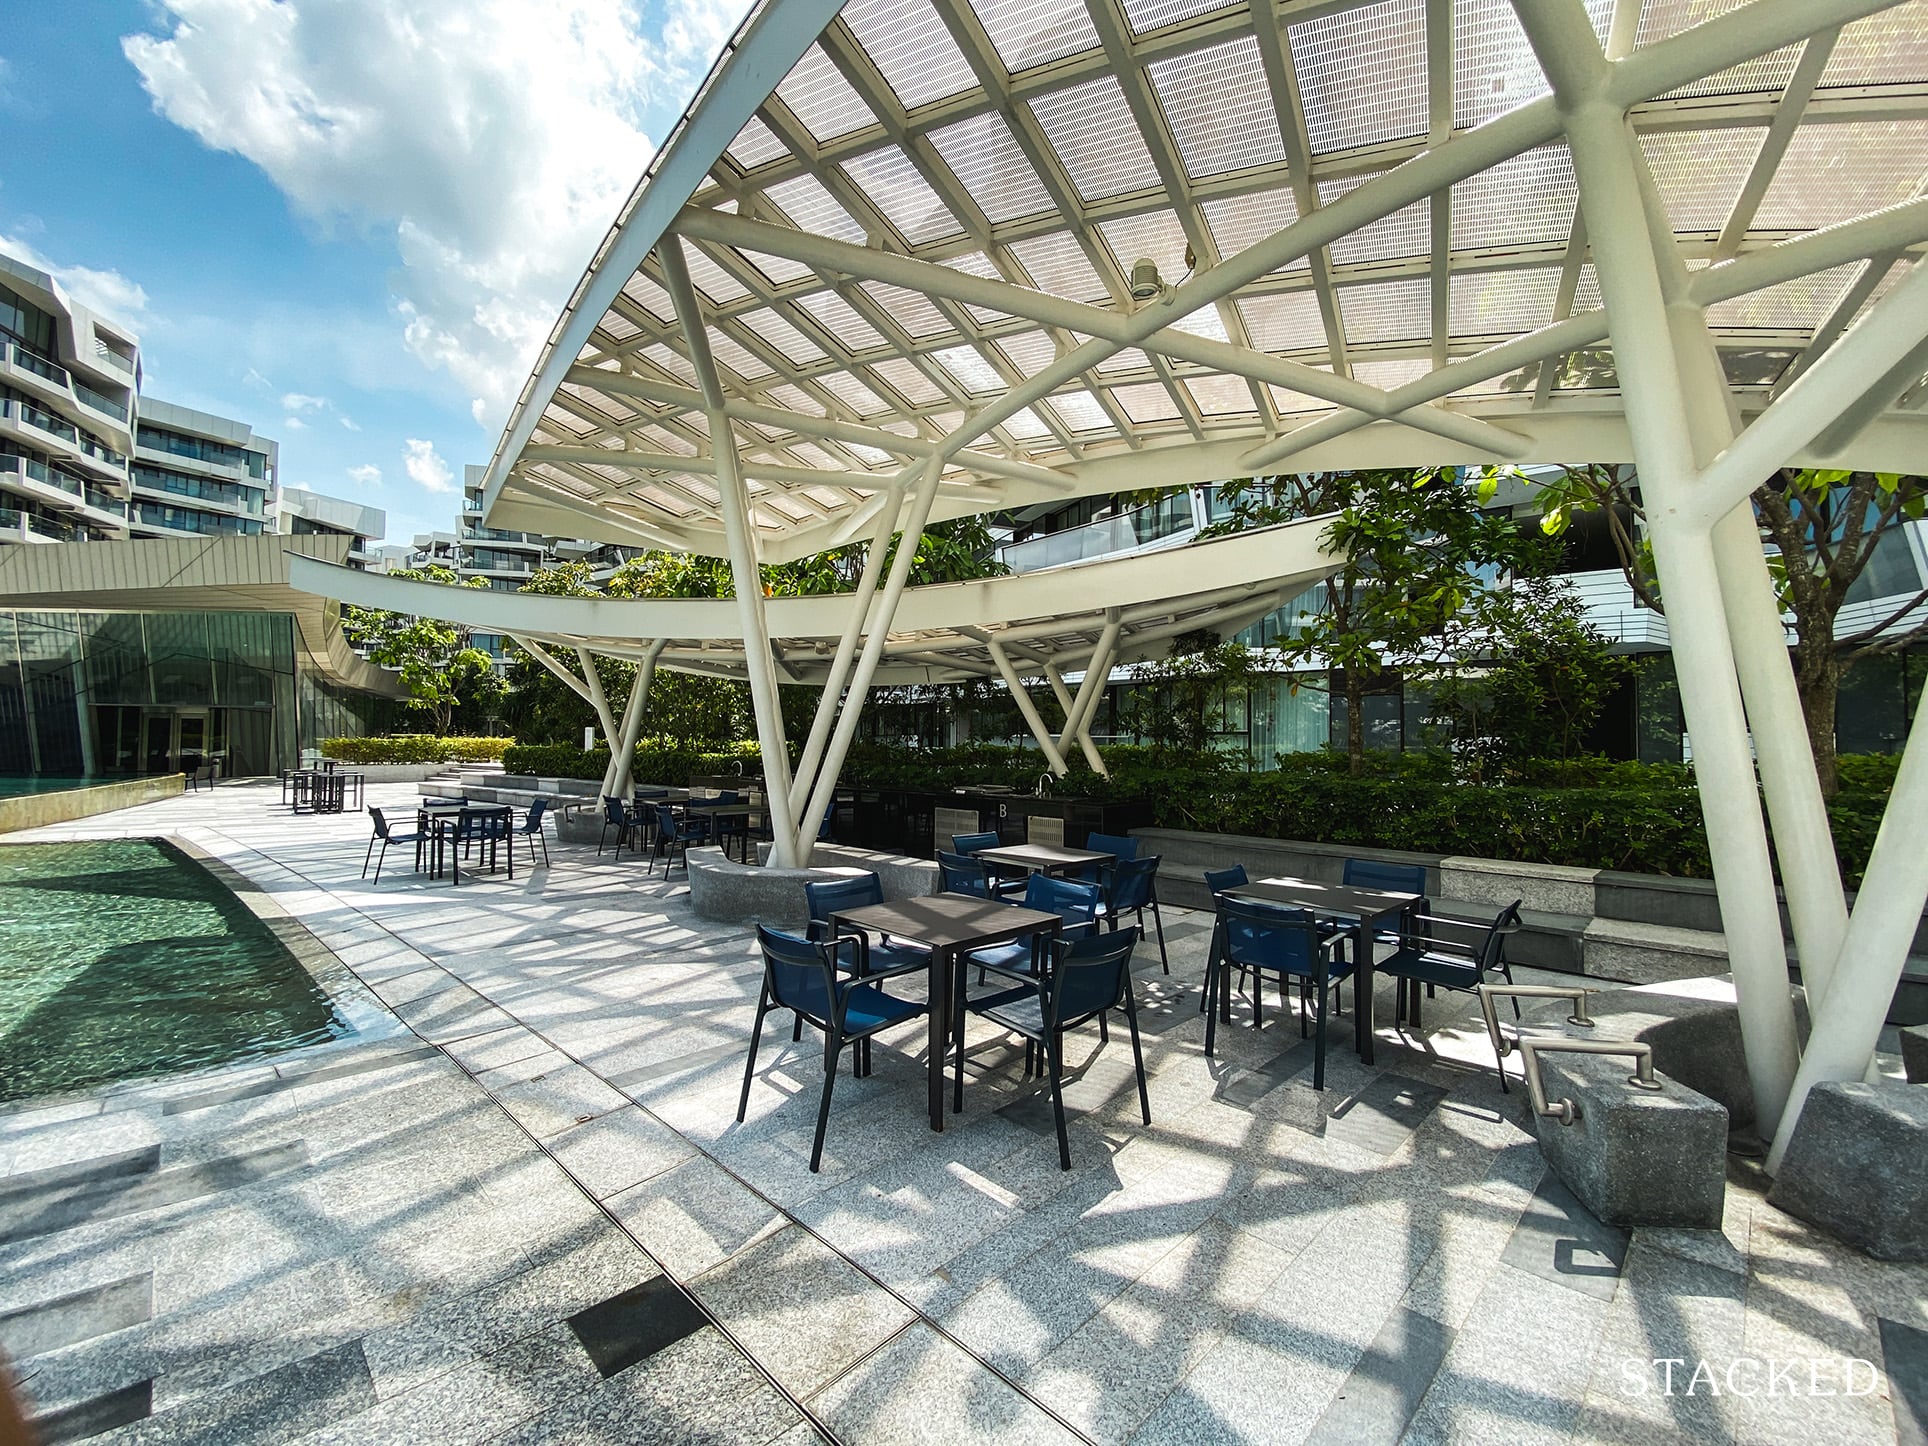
657	760
1584	813
416	748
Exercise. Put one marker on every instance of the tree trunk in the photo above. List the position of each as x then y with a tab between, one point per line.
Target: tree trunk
1820	689
1355	722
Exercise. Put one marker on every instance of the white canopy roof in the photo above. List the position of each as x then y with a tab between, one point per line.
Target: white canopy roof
940	633
913	230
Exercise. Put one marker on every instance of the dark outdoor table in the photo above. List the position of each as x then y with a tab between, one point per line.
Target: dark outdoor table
1361	910
436	817
724	810
949	925
1044	858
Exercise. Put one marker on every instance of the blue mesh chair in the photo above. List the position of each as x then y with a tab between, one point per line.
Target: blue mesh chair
483	830
1117	845
1218	881
1131	885
875	958
1392	879
618	817
1088	978
674	837
1003	881
1450	954
532	830
801	976
1074	902
1271	939
387	837
962	874
728	828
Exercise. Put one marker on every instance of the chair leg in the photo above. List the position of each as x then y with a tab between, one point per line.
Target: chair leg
1318	1049
832	1047
1157	919
756	1038
368	854
1054	1053
1104	1031
797	1033
1137	1052
1214	981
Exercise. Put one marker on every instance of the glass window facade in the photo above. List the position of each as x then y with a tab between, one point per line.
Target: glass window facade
91	694
202	449
187	519
207	489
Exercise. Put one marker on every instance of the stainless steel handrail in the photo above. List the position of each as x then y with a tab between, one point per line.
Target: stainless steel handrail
1566	1111
1503	1046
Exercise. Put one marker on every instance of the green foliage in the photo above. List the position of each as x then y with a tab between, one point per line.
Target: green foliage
1415	546
658	760
415	748
1531	684
1180	701
445	678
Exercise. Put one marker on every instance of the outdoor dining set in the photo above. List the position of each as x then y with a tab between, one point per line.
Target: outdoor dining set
449	830
667	823
1043	930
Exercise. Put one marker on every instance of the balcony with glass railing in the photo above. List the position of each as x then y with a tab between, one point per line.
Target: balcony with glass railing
26	414
1160	521
28	469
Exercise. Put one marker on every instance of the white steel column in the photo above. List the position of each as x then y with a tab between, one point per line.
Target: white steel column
1804	840
758	660
1028	709
1886	912
1663	434
839	674
633	718
605	715
1090	689
853	704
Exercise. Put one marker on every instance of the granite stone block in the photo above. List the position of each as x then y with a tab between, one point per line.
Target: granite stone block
1914	1053
1634	1156
1858	1165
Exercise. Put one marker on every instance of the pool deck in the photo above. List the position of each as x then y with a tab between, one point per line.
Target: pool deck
528	1215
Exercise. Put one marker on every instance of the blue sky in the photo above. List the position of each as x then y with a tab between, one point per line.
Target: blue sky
349	223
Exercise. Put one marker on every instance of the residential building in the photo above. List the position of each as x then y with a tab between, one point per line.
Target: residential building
297	512
1296	712
69	380
196	474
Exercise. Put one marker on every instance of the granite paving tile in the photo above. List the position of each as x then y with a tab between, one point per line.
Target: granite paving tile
801	1310
560	1097
700	1389
693	1216
922	1388
617	1150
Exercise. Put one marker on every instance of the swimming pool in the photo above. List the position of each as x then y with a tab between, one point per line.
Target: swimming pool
11	787
124	958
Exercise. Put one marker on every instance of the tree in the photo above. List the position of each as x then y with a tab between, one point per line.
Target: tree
1180	700
445	677
1825	527
1530	682
1414	546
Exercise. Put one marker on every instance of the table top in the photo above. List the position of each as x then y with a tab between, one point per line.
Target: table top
1337	899
1042	856
948	921
457	805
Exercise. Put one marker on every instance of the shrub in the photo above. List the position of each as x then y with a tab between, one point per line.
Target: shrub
416	748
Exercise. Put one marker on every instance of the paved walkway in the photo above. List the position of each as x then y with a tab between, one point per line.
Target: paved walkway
528	1214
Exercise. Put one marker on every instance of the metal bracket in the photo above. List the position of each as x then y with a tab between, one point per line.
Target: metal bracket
1503	1046
1566	1111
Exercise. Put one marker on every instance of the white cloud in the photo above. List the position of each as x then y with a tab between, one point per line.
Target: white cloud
497	138
425	466
292	423
349	424
366	475
107	292
300	403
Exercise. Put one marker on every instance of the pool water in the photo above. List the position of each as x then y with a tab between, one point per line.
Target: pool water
10	787
124	958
